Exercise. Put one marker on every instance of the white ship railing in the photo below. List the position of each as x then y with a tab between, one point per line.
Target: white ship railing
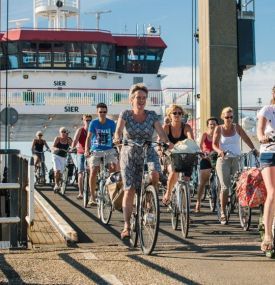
38	97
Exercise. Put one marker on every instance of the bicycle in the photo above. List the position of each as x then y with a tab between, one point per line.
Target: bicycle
104	203
144	222
41	169
180	199
232	202
66	172
86	188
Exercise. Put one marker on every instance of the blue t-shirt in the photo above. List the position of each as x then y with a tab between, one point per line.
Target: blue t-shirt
102	134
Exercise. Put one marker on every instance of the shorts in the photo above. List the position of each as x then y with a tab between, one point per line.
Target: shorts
267	159
205	164
59	162
95	158
80	162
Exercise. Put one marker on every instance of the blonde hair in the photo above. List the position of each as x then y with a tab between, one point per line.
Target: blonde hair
172	108
85	116
272	101
226	110
137	87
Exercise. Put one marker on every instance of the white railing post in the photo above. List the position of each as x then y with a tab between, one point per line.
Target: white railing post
30	218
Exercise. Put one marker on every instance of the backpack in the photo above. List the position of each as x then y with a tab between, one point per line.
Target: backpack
251	191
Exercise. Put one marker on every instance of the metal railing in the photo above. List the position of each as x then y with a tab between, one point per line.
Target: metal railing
93	97
16	197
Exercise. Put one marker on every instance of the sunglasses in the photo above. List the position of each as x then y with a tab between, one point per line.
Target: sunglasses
102	112
40	135
64	132
229	117
177	113
87	120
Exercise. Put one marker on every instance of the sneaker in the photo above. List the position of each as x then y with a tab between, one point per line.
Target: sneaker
56	188
92	202
223	219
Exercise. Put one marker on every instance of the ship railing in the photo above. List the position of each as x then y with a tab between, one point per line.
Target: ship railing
38	97
70	3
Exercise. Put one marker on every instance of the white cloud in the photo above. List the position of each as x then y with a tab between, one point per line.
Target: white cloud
257	82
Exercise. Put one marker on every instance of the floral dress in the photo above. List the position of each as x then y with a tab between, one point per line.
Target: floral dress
131	157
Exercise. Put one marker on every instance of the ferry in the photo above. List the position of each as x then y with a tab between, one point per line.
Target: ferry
51	76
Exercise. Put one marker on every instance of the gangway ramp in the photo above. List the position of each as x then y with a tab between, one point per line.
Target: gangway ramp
204	228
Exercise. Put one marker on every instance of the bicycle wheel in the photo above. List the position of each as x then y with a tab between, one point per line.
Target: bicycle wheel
106	207
245	217
86	189
134	222
184	209
148	219
64	181
194	181
213	190
174	211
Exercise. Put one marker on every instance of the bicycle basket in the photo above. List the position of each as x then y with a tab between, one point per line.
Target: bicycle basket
183	162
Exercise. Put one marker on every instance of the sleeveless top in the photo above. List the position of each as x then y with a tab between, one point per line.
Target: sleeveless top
81	141
207	145
38	146
61	149
174	140
231	144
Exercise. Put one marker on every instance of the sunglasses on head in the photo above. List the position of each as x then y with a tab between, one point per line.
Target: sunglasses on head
102	112
228	117
177	113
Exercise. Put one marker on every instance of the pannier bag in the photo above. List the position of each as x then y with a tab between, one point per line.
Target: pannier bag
115	189
251	189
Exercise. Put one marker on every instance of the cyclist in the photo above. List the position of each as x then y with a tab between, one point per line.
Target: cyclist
60	149
138	125
205	163
100	138
79	142
226	142
176	131
37	150
265	131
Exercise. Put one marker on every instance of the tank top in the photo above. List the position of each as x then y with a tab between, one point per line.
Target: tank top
61	149
231	144
38	146
174	140
81	141
207	145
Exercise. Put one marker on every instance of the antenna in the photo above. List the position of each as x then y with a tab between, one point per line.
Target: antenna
18	22
97	15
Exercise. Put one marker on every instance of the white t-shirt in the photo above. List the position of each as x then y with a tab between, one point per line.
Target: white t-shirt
268	112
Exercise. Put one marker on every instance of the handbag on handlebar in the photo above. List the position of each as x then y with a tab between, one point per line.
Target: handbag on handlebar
251	190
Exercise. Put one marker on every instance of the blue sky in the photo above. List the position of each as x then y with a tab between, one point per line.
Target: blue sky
174	17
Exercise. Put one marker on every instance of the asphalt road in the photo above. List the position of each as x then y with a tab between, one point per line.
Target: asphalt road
212	254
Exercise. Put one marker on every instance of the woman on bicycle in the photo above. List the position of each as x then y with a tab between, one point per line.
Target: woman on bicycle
38	150
205	163
138	125
226	142
176	131
265	132
60	149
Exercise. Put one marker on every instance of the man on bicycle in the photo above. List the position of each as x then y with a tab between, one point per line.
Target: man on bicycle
79	142
100	138
38	150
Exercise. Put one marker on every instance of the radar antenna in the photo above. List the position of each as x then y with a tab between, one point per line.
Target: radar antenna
97	15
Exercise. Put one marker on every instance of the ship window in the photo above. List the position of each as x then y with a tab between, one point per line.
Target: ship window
45	55
105	56
13	55
132	54
59	55
2	58
90	55
74	53
29	54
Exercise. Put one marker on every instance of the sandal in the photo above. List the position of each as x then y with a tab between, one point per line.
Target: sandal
166	201
267	245
125	234
79	197
198	207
